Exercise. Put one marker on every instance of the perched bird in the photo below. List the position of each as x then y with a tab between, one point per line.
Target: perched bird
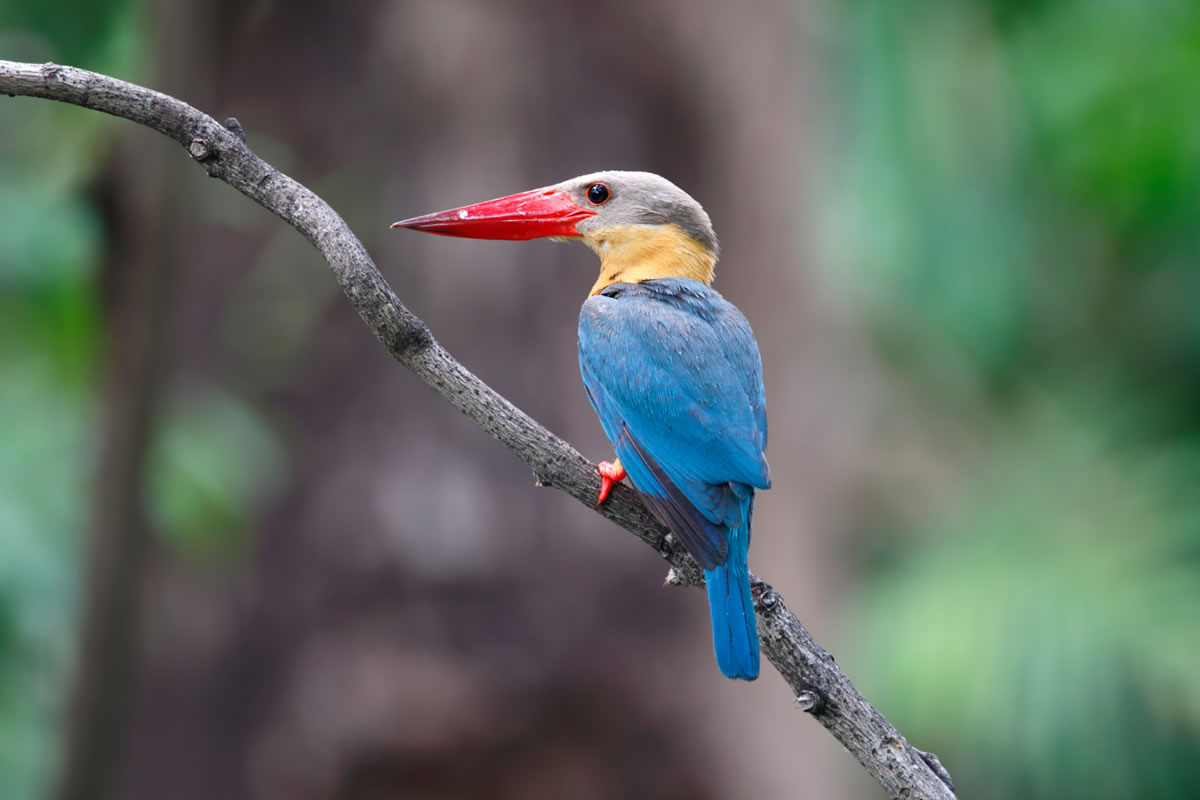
671	368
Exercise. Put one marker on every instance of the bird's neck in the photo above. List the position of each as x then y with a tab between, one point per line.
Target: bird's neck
645	252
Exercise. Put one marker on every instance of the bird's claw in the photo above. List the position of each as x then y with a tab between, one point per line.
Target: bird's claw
611	473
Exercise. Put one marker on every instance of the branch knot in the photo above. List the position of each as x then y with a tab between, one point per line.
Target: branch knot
235	127
201	150
811	701
768	599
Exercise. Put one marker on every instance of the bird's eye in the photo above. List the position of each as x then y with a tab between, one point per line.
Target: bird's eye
597	194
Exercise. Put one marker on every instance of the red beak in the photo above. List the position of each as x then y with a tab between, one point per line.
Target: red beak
528	215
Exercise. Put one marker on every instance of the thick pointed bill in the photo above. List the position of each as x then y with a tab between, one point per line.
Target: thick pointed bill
528	215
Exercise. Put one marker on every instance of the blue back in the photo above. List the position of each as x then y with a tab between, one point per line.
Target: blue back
673	372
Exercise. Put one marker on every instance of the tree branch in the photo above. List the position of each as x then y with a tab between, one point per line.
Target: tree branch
818	684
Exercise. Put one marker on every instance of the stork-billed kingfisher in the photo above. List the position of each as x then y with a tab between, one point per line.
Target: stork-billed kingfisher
670	367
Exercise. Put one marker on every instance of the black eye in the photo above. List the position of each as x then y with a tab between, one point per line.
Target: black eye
597	194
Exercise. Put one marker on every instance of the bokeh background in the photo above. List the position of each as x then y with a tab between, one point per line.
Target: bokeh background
260	560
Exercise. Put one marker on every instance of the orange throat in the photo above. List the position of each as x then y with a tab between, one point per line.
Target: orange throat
634	253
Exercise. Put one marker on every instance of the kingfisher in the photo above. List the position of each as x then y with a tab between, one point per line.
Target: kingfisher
671	368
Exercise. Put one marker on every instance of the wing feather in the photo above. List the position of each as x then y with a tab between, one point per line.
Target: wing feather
678	389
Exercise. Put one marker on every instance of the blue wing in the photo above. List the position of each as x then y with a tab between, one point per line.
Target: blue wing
673	372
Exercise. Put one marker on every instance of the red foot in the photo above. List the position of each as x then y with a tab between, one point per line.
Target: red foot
611	473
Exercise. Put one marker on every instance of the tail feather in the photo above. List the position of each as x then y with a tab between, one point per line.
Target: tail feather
735	630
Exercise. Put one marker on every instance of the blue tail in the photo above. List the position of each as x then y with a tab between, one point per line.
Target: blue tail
735	632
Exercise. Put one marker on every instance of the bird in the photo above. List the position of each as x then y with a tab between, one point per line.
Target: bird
671	368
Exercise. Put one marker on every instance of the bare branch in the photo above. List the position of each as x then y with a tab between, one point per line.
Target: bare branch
816	681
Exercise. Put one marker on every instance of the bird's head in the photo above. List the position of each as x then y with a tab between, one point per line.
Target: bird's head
641	225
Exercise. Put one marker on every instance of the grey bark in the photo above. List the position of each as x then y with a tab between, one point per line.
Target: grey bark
818	684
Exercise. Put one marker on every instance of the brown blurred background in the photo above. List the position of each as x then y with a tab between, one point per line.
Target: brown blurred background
300	574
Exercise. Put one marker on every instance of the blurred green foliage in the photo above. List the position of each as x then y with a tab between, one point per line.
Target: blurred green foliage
1043	640
213	457
1014	214
49	329
1030	187
212	461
